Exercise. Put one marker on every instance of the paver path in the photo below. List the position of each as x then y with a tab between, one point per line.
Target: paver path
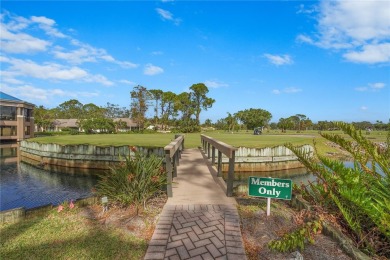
199	221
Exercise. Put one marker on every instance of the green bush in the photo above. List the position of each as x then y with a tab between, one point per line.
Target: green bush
134	181
360	196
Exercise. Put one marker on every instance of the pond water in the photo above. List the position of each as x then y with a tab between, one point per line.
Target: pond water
297	176
24	185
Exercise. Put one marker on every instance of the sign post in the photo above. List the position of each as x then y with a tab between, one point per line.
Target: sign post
269	188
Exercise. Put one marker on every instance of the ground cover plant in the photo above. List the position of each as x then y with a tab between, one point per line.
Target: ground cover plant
359	197
258	230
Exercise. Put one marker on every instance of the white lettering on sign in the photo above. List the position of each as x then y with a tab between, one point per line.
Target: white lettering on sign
272	183
255	181
272	192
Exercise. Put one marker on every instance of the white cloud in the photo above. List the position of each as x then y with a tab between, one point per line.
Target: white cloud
47	25
50	71
290	90
215	84
76	56
360	29
370	53
372	87
157	53
99	79
168	16
43	20
363	108
32	93
87	53
361	89
20	42
279	59
378	85
151	70
127	82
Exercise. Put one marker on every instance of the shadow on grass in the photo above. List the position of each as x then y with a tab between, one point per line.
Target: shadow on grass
25	240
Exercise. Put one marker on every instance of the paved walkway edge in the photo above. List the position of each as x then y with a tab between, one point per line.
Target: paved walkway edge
203	231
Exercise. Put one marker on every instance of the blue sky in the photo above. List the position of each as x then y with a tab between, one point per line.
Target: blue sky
329	60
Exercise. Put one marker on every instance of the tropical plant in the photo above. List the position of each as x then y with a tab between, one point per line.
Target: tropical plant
134	181
358	197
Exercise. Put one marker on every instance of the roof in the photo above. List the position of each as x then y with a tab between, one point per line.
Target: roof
11	99
66	122
8	97
129	122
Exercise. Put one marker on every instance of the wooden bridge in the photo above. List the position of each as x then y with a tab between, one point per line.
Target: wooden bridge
200	219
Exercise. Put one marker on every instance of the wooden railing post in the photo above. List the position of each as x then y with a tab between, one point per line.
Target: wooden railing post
172	155
168	167
229	191
219	167
208	150
213	155
175	164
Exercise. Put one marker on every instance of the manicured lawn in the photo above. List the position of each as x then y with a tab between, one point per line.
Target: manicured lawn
243	138
67	235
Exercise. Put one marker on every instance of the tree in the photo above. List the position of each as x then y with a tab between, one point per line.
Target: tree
207	123
156	95
70	109
184	105
92	111
167	106
114	111
285	123
253	117
200	100
231	121
140	97
43	118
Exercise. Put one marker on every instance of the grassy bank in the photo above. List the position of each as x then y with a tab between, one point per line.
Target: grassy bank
82	233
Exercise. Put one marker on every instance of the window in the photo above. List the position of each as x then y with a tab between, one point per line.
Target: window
27	114
27	130
8	130
8	113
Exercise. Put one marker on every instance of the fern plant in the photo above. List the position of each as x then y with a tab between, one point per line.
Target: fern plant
359	195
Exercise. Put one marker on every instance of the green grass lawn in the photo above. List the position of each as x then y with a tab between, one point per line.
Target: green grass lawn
67	235
237	139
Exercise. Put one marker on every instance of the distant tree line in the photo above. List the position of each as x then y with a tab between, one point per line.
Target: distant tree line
89	116
179	111
251	118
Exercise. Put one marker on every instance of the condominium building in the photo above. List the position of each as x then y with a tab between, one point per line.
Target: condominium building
16	119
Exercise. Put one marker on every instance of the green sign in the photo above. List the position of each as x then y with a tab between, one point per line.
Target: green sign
270	188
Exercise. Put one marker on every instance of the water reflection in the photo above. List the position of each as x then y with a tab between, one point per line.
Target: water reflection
23	185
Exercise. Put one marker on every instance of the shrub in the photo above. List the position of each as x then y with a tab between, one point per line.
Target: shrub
358	197
134	181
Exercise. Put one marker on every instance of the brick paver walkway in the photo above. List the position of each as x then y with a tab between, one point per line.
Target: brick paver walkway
200	222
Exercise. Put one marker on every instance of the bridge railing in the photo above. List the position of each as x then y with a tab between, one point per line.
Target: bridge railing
172	155
209	143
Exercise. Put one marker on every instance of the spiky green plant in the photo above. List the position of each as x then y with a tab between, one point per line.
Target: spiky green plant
134	181
360	196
